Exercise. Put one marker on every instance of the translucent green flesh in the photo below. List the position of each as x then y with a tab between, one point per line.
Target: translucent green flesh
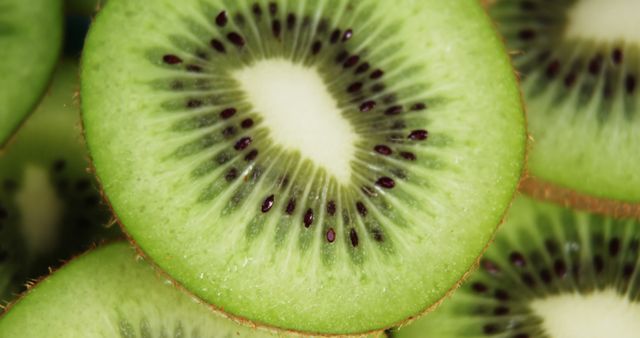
159	147
50	206
30	36
582	95
113	293
542	253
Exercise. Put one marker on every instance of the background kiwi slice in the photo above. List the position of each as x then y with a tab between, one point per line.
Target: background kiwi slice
50	208
552	272
110	292
580	66
322	166
31	37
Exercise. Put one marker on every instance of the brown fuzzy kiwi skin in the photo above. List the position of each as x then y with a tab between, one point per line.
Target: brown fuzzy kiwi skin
546	191
383	332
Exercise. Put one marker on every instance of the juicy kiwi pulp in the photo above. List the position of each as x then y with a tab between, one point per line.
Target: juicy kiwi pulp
323	166
30	36
115	294
552	272
580	65
50	207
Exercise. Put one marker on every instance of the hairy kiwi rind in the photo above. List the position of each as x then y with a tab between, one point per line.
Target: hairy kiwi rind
244	324
546	191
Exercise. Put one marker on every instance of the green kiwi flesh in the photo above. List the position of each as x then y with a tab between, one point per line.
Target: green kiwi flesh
110	292
50	207
580	66
552	272
31	38
347	220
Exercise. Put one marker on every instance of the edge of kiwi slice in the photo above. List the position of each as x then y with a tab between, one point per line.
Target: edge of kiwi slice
549	268
50	206
31	39
111	292
265	231
579	64
546	191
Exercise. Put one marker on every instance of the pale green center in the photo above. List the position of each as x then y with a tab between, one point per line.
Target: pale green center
605	20
598	315
40	210
301	113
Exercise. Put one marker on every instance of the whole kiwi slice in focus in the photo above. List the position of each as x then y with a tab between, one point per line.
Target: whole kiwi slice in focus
30	42
50	207
318	166
580	66
109	292
551	273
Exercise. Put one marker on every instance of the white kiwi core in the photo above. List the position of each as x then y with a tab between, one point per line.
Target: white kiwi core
40	209
301	113
605	20
600	314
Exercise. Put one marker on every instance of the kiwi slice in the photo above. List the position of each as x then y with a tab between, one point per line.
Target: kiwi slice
552	272
31	38
110	292
580	66
320	166
50	207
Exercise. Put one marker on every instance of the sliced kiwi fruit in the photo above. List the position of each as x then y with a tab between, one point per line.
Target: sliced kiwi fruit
580	66
552	272
31	38
50	207
320	166
110	292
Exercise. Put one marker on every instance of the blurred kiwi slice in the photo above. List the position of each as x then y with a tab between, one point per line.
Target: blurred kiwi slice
31	38
580	66
319	166
552	272
50	206
110	292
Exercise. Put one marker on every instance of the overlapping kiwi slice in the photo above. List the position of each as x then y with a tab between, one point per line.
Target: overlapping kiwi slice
110	292
553	273
322	166
30	40
50	207
580	66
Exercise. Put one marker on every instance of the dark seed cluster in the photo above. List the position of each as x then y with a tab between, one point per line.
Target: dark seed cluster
394	126
595	70
565	262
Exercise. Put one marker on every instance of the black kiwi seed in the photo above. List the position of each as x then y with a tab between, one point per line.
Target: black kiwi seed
291	21
59	165
362	209
316	47
222	19
331	235
347	35
291	207
246	123
218	45
308	218
383	150
386	182
268	203
353	237
243	143
171	59
228	113
335	36
367	106
418	135
331	208
236	39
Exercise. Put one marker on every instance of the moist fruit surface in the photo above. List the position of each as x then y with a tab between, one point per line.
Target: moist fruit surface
322	166
552	273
